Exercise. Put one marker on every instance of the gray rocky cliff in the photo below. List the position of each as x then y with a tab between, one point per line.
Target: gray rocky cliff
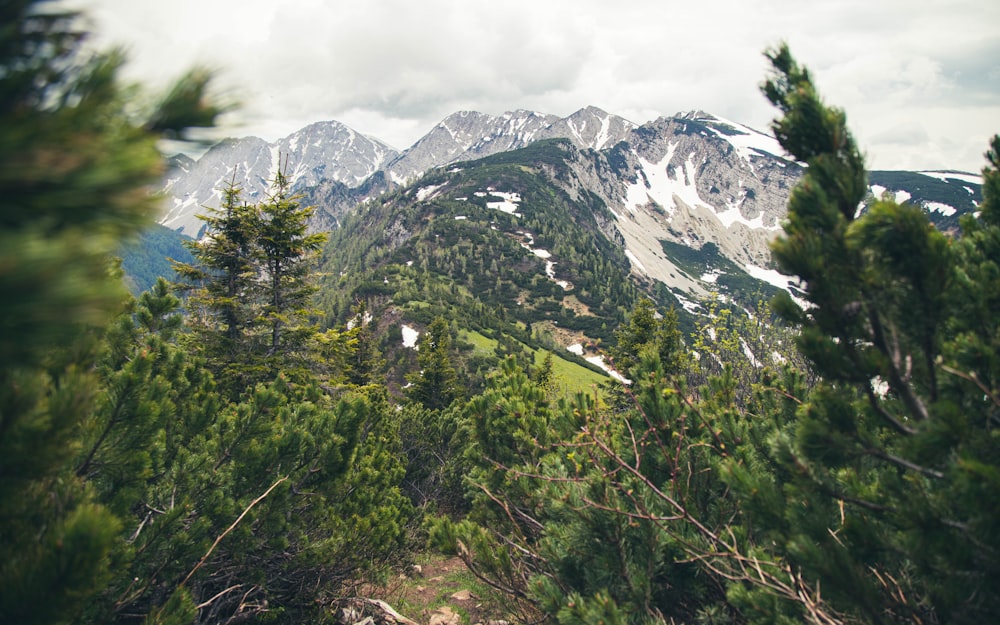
691	180
323	161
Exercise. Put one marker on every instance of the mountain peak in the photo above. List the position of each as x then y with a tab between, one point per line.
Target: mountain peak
695	115
592	110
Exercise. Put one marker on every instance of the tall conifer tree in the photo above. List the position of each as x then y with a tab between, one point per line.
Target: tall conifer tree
287	251
436	384
221	283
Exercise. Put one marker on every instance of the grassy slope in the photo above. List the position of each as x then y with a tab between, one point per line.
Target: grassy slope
569	377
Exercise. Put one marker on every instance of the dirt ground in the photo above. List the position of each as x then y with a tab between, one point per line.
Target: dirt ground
442	591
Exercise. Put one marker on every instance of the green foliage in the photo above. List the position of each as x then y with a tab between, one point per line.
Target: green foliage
435	385
883	449
568	487
644	331
222	281
286	496
742	344
75	164
365	362
287	253
433	442
251	287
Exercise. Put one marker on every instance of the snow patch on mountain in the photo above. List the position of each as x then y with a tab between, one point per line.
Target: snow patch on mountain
428	192
632	258
508	201
899	196
655	184
745	140
954	175
732	215
550	265
939	207
410	336
778	279
688	305
599	361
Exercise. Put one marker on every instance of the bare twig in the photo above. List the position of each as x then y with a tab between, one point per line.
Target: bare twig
231	528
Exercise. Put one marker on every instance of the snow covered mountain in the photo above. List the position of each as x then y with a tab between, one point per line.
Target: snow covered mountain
468	135
320	155
693	181
328	160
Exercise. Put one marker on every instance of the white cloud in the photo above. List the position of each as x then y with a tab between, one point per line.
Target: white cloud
393	68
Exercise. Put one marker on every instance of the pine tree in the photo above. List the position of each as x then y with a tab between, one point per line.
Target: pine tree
221	284
75	166
435	385
287	253
647	329
365	361
887	476
251	287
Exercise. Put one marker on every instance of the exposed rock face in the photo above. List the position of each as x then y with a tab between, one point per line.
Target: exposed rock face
589	128
692	179
246	161
469	135
718	182
324	160
332	151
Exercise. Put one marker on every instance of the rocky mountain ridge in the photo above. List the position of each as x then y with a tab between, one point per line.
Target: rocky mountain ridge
320	155
336	167
689	180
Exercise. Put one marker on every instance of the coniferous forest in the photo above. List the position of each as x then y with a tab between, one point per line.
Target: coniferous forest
240	444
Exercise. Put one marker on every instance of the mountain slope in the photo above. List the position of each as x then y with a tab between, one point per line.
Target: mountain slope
494	245
691	180
945	195
469	135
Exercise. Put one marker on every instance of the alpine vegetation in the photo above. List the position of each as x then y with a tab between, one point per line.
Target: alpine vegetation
682	372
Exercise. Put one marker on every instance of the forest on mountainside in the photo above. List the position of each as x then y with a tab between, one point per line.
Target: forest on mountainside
228	448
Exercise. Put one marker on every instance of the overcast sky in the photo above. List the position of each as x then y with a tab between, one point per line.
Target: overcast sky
919	79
